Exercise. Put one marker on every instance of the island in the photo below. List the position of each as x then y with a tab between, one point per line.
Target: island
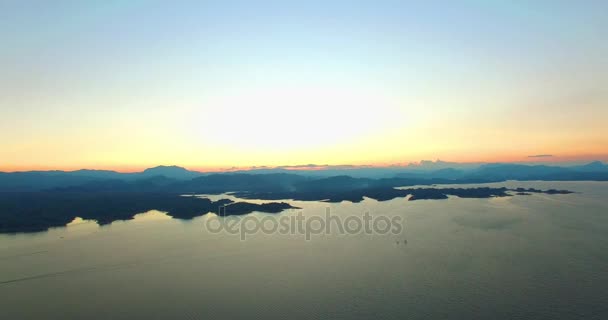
389	193
41	210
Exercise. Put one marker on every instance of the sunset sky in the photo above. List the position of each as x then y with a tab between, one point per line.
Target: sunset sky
132	84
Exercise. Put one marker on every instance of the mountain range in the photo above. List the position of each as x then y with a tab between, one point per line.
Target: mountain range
37	200
178	179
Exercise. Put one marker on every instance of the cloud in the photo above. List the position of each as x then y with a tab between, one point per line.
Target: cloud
541	156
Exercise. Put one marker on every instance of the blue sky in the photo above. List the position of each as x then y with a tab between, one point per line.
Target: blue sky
114	82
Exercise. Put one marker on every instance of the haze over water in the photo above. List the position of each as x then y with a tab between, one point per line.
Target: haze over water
524	257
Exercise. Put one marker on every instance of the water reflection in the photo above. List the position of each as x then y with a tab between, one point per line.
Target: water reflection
505	258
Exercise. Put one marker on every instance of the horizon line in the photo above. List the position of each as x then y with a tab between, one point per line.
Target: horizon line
535	160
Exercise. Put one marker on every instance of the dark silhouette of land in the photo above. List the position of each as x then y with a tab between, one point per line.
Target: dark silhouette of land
389	193
174	178
38	200
38	211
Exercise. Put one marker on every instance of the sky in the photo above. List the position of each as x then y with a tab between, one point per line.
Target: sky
214	84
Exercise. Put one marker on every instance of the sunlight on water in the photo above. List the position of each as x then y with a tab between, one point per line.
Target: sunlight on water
526	257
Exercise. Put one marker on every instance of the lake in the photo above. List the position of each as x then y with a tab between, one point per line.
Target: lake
523	257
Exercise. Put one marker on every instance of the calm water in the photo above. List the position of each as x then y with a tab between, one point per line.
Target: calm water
524	257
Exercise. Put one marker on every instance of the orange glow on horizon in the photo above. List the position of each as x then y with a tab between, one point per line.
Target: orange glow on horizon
556	159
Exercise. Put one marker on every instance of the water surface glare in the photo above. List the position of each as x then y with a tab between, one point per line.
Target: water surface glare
525	257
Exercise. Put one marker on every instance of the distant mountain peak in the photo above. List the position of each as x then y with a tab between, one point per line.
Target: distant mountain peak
593	166
173	171
163	167
595	163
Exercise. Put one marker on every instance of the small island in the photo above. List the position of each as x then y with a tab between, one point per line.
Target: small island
389	193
